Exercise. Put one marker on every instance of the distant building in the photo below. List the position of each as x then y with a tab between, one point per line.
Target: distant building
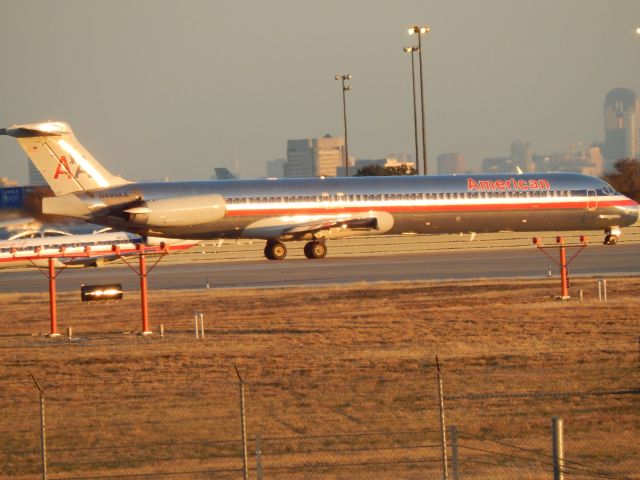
6	182
498	165
451	163
575	158
35	177
621	125
522	155
313	157
275	168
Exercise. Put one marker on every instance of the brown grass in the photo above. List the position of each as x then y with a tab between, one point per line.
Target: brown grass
340	381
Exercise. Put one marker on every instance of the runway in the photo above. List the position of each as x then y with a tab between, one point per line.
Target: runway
461	265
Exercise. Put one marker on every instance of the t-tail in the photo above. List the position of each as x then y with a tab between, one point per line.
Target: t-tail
63	162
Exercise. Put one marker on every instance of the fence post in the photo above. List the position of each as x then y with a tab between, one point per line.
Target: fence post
43	436
599	290
202	324
558	448
195	319
443	431
604	287
258	459
453	430
243	427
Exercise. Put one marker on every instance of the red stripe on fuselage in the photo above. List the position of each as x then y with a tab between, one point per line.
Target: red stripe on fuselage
462	207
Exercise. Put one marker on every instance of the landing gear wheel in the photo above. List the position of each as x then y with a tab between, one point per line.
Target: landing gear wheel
275	251
315	250
610	239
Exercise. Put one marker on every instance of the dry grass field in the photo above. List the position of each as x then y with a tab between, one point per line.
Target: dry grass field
340	382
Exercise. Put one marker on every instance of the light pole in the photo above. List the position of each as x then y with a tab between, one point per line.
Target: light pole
344	112
412	51
420	31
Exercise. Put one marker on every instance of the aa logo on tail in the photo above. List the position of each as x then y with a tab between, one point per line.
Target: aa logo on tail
65	168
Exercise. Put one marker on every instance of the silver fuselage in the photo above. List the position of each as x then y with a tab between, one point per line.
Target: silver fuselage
417	204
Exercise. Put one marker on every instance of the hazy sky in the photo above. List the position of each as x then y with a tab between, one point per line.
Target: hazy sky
174	88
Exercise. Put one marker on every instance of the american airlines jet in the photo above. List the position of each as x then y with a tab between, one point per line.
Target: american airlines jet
317	209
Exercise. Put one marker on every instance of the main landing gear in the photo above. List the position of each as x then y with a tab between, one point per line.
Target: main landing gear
611	236
275	250
315	249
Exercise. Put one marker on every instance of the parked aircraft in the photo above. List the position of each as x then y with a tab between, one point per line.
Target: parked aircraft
87	250
316	209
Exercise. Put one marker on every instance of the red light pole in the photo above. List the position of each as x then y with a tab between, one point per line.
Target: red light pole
563	263
51	275
143	272
143	291
53	313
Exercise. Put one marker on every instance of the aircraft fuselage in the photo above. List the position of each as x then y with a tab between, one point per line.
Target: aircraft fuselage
270	209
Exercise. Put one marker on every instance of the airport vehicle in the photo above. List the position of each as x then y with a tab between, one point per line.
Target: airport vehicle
87	250
317	209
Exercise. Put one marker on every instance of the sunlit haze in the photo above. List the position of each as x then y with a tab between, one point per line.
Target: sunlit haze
160	89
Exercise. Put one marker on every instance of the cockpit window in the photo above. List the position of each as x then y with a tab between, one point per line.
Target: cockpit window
608	190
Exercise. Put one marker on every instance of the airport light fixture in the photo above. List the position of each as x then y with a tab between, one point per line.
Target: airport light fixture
638	31
345	88
421	31
412	51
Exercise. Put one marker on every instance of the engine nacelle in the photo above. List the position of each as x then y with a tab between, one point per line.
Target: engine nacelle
178	212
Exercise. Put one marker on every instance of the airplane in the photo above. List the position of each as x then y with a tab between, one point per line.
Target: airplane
223	173
34	248
316	209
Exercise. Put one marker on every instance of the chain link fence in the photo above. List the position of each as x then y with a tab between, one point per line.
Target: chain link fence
180	418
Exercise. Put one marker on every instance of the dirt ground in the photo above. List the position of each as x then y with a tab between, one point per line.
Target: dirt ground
339	382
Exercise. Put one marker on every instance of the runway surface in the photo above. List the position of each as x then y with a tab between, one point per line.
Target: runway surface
500	263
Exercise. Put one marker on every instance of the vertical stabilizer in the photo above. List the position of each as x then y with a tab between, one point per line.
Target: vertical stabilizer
63	162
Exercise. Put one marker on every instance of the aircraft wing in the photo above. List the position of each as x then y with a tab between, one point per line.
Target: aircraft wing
307	227
364	223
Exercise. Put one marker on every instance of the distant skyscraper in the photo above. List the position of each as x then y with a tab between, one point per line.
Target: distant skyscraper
275	168
450	163
35	178
621	125
522	155
313	157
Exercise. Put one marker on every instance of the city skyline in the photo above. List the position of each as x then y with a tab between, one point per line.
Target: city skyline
160	89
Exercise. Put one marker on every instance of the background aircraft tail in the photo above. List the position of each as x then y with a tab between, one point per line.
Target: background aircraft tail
63	162
223	173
